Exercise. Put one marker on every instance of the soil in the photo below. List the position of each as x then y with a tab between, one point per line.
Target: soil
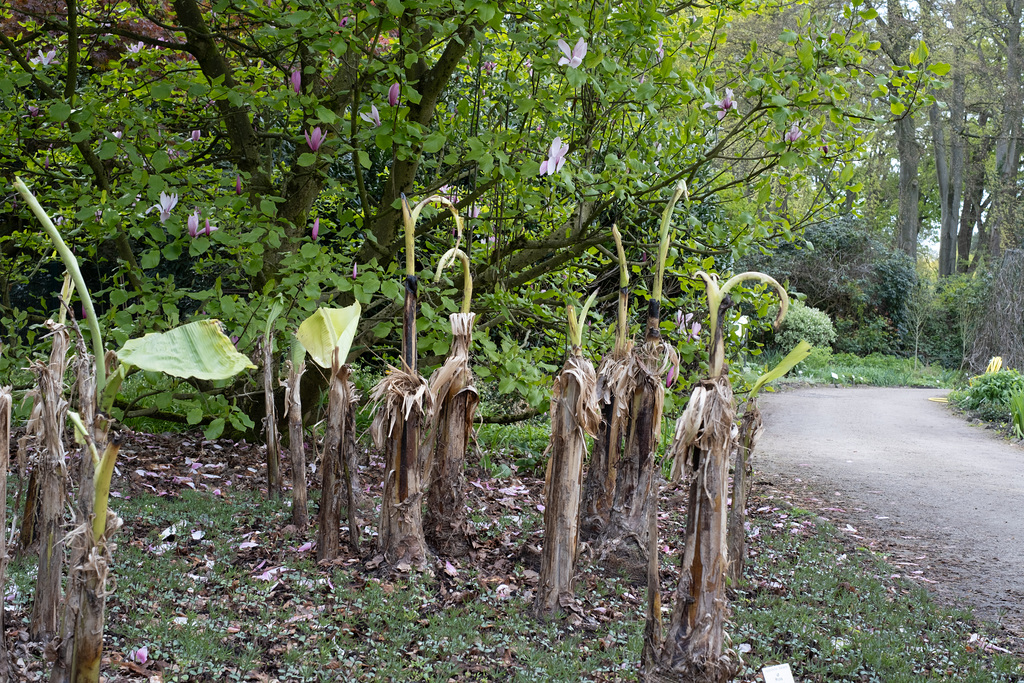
942	498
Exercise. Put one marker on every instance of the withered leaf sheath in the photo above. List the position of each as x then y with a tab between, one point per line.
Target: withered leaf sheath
574	414
270	420
403	404
455	400
296	447
46	425
750	431
338	479
5	461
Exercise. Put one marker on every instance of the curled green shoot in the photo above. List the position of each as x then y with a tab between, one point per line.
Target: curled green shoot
467	277
716	295
576	324
71	263
411	215
665	236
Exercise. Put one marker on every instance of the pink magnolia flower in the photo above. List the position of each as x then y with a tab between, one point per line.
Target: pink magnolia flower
196	134
489	67
44	58
574	57
136	48
556	158
725	104
373	117
793	134
344	22
641	80
193	225
315	138
393	94
297	81
210	228
166	203
355	270
528	65
238	184
140	656
671	377
33	111
660	49
315	234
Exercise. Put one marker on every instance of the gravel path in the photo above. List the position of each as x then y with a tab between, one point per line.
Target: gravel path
944	498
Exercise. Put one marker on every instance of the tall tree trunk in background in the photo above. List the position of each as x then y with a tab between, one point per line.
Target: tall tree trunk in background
47	426
896	37
974	190
1004	222
950	177
909	219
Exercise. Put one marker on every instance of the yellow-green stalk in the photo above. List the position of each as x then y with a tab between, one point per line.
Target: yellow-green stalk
71	263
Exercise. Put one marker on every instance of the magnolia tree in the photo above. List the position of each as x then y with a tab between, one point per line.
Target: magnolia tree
205	160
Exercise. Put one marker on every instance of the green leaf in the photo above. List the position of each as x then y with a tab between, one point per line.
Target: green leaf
268	208
940	69
306	159
802	350
161	90
396	7
920	55
329	332
215	429
897	107
150	259
434	142
199	349
194	416
60	111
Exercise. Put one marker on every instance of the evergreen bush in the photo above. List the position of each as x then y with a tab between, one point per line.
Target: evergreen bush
805	322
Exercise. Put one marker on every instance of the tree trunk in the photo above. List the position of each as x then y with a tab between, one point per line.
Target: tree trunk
48	427
340	431
974	189
573	415
296	446
742	478
693	648
1004	223
270	421
908	220
456	400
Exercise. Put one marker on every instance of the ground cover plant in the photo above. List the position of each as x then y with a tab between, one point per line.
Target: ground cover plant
214	584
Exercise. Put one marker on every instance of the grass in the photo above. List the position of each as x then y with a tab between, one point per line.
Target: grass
210	606
823	367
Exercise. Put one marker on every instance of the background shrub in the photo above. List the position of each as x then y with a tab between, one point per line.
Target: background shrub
990	394
805	322
843	270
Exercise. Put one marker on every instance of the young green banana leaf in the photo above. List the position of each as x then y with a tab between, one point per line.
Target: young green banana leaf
199	349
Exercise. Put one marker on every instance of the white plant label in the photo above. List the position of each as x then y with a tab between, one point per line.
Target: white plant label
780	673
